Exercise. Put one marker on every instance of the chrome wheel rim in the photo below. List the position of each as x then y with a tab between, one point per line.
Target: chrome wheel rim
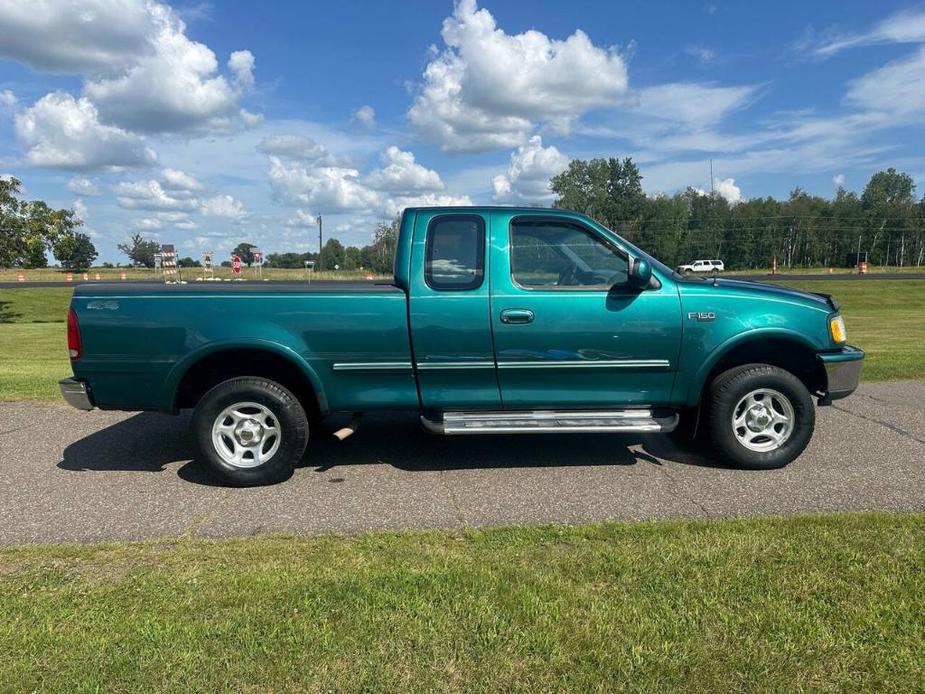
763	420
246	434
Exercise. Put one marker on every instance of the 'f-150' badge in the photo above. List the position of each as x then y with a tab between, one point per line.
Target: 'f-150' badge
702	316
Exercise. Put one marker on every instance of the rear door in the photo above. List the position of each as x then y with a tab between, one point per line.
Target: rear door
562	337
450	311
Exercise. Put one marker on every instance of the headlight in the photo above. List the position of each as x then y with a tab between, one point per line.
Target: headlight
837	329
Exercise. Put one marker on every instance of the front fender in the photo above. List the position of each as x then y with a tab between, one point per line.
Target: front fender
698	381
179	370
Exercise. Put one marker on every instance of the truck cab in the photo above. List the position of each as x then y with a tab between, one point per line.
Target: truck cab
498	320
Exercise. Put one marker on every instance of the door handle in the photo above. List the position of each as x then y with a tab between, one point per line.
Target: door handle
517	316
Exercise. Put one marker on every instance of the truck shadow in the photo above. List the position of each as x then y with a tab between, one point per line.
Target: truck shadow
150	442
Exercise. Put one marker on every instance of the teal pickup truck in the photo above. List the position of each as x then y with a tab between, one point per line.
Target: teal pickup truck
498	321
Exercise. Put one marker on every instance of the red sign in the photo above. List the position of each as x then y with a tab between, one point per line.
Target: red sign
236	264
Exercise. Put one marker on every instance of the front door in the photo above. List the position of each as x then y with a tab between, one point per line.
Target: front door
563	336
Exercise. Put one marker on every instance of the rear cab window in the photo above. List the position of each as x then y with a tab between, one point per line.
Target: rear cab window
455	253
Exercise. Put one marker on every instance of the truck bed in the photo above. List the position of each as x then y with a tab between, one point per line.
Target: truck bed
350	339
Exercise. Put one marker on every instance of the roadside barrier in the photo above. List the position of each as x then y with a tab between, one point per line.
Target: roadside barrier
69	277
20	276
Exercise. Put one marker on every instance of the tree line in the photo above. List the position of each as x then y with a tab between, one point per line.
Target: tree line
885	224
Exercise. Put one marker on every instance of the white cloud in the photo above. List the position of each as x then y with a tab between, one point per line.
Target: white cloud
80	209
402	174
701	53
148	224
692	105
140	70
896	88
302	220
64	132
907	26
173	88
223	206
295	147
151	195
8	98
487	89
392	207
727	188
327	189
75	37
250	120
528	174
241	64
838	180
82	186
365	116
172	217
179	181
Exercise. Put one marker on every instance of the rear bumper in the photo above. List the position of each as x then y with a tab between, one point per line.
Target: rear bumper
842	371
76	393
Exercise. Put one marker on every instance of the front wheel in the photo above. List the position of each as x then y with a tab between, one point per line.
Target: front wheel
250	431
759	417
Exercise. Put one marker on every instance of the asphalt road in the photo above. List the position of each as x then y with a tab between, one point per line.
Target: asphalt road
86	477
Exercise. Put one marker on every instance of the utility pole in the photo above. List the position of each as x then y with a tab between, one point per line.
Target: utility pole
712	191
320	246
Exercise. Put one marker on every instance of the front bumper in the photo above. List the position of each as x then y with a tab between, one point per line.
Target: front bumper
76	393
842	371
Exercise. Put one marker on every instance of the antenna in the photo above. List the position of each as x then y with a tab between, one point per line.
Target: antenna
712	191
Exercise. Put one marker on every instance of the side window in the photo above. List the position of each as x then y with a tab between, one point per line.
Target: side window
455	252
551	254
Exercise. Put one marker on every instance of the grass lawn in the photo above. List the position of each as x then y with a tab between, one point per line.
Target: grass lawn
829	603
885	318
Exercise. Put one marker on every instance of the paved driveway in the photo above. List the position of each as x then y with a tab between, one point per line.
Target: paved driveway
72	476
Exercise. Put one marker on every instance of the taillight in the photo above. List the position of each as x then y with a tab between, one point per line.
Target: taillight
74	345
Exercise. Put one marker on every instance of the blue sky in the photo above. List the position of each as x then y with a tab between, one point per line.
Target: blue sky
208	124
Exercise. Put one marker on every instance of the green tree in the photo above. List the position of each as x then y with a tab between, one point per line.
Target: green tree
75	252
609	190
188	262
888	202
245	251
140	250
332	254
29	228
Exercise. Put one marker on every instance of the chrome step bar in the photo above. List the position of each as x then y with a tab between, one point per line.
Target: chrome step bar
549	422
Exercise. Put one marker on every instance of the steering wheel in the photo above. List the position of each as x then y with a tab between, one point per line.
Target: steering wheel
568	276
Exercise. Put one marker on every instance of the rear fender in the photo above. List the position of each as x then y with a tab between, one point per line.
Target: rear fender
180	369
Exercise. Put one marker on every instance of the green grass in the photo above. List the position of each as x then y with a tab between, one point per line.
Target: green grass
829	603
33	356
34	305
885	318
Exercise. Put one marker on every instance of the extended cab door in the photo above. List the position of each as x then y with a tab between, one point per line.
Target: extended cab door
450	314
563	338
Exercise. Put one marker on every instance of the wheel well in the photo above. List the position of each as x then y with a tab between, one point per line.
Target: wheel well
220	366
788	355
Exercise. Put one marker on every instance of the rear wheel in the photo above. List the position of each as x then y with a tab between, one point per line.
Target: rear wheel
759	416
250	431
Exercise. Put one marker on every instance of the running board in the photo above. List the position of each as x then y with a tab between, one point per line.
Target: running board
548	422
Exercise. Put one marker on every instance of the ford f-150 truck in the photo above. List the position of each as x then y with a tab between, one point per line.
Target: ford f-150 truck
498	321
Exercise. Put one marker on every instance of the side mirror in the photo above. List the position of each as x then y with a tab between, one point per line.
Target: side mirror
639	273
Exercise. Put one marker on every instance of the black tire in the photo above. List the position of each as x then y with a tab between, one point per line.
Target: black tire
288	418
726	392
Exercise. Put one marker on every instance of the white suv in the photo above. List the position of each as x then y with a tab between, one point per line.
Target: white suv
702	266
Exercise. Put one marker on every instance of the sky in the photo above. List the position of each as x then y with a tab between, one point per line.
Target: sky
208	124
